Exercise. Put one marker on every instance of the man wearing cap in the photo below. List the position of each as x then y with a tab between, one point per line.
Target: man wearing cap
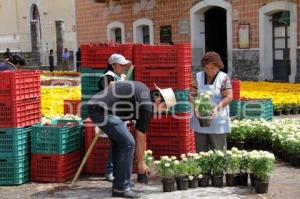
123	101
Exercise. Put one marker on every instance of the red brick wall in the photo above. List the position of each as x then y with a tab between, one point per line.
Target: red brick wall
91	24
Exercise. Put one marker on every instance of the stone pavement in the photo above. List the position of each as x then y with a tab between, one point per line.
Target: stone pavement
285	184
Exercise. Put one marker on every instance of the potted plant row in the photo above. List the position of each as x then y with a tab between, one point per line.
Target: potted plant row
196	169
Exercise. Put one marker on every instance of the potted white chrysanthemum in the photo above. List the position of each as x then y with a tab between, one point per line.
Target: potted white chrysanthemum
204	106
165	168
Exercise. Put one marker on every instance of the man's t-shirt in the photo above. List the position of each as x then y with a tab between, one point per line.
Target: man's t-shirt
5	66
126	99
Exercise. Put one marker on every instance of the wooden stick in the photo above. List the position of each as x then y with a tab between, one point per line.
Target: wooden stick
85	159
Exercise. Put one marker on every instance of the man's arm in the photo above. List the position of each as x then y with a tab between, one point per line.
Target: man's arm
140	151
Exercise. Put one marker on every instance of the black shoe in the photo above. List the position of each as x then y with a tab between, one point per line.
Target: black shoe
142	178
126	194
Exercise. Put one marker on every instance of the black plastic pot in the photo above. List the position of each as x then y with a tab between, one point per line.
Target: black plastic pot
286	111
168	184
295	160
205	121
231	180
142	178
217	180
294	111
252	179
182	183
277	112
238	144
194	183
243	179
261	187
204	181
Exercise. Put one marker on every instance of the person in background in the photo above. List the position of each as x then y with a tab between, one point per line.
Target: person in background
217	82
7	54
78	60
51	60
65	60
14	62
115	71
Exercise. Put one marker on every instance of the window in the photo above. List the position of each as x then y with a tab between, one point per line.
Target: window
146	34
118	35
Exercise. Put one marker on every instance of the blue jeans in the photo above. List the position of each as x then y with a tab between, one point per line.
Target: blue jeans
123	144
109	164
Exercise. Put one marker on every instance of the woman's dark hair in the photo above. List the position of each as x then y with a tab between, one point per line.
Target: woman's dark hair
17	59
51	51
212	58
109	68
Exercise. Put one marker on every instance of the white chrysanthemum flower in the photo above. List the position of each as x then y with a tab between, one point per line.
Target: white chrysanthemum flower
173	158
191	178
149	152
156	162
176	162
164	157
200	176
184	159
183	156
167	165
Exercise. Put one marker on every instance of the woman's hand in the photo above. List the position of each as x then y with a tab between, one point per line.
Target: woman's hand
214	112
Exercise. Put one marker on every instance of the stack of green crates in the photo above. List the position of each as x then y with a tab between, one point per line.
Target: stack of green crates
56	140
183	105
256	109
89	86
14	155
251	109
235	109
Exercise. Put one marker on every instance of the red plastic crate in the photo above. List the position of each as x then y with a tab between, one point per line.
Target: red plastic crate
89	134
97	161
54	168
96	55
20	85
236	89
176	79
170	125
174	56
19	114
171	146
72	107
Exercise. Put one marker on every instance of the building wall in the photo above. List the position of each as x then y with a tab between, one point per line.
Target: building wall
93	18
15	15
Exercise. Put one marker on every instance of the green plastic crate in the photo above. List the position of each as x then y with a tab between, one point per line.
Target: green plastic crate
86	95
90	78
183	104
256	109
235	109
55	140
14	170
14	141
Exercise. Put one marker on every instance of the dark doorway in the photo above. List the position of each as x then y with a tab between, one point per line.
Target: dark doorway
59	41
281	47
216	33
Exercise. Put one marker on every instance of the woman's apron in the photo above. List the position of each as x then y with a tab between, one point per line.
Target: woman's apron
220	124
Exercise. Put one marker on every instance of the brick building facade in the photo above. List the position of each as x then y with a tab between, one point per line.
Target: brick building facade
271	50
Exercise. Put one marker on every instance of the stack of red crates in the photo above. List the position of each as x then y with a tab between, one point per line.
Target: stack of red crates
170	135
96	163
236	89
20	98
169	66
72	107
95	55
166	65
